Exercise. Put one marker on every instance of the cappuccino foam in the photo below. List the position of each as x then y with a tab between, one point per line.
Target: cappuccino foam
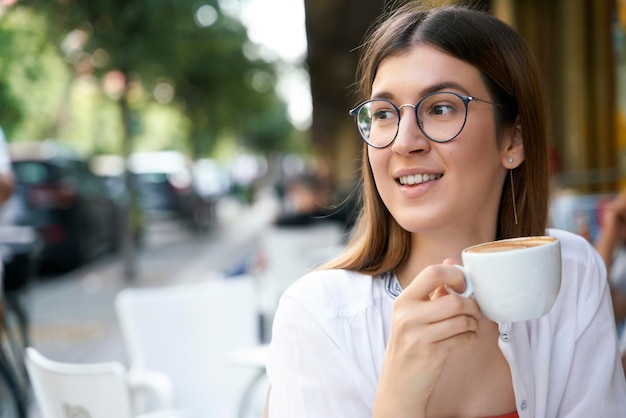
510	244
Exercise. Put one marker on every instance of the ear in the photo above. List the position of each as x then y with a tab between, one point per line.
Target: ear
512	153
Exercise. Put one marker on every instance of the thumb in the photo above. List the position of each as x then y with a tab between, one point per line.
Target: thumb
441	290
450	262
460	285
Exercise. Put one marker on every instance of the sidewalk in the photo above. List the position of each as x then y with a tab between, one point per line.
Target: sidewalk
73	318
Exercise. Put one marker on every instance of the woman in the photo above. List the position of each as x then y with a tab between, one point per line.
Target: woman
455	154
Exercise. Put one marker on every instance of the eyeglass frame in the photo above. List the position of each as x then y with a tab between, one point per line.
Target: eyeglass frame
464	98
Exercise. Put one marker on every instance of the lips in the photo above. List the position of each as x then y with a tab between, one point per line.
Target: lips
418	178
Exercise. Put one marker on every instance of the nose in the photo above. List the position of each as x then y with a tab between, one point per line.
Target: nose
410	138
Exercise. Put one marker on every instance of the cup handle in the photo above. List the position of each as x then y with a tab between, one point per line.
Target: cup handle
469	284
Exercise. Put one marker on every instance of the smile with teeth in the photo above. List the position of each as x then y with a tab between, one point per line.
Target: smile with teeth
418	178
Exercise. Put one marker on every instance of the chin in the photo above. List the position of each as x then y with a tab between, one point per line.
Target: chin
416	226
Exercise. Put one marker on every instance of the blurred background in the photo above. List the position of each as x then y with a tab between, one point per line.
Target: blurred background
157	142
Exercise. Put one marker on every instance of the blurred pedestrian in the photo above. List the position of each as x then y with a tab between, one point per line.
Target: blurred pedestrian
7	184
12	286
611	245
6	172
455	153
306	203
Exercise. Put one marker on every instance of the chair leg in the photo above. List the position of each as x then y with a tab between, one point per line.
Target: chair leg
17	392
12	365
15	304
19	333
246	399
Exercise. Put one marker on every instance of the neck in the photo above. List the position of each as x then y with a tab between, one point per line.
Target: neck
429	249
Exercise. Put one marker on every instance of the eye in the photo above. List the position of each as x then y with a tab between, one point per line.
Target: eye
441	106
384	114
441	109
382	111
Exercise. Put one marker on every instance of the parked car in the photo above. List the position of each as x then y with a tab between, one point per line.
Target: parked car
70	207
164	181
20	244
212	182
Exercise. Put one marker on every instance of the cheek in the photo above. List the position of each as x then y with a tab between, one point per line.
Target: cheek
475	151
379	164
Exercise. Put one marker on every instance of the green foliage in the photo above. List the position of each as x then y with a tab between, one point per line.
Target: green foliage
92	121
186	44
32	76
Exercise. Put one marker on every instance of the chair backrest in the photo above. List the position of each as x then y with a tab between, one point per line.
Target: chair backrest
292	251
69	390
289	253
189	332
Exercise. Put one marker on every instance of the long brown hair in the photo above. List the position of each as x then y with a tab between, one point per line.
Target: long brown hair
512	77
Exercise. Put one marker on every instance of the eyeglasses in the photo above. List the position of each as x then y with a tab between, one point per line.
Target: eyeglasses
441	116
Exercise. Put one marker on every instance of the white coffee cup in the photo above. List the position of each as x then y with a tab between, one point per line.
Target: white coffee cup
515	279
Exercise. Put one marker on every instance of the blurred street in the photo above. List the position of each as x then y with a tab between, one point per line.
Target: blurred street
72	315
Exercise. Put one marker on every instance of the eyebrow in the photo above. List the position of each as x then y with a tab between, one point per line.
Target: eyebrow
443	86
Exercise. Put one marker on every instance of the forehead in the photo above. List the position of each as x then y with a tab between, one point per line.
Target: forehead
422	70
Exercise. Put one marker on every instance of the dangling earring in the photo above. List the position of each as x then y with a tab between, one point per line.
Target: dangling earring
513	193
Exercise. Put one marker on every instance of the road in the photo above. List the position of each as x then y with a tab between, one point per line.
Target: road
72	316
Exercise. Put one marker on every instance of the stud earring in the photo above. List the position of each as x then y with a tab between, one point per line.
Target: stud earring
510	159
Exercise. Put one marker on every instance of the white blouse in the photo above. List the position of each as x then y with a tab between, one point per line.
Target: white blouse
332	326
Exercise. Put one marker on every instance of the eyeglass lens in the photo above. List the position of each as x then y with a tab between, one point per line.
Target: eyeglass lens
441	116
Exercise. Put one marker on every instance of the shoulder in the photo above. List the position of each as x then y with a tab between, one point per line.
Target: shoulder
577	252
570	242
335	292
584	277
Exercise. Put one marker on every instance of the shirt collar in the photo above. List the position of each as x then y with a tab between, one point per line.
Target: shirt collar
392	285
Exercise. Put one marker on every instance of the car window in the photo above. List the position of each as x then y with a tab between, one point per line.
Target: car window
152	177
89	184
33	172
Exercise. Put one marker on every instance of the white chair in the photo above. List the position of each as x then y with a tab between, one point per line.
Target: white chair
254	398
93	390
288	253
188	332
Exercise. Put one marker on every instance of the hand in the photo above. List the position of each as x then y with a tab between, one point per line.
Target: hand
614	213
428	324
612	228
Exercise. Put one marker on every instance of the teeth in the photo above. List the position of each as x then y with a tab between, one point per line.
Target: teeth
418	178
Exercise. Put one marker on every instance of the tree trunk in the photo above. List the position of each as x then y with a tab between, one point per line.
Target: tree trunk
335	29
128	236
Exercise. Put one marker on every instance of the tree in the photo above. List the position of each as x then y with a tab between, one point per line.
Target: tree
335	30
32	76
220	88
184	46
189	46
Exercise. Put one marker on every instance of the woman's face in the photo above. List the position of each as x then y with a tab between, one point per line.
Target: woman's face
465	175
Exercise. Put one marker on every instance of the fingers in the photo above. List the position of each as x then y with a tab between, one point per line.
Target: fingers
428	324
425	305
430	284
615	210
424	286
612	219
428	331
457	330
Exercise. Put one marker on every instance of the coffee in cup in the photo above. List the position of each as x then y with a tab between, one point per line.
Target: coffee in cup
515	279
